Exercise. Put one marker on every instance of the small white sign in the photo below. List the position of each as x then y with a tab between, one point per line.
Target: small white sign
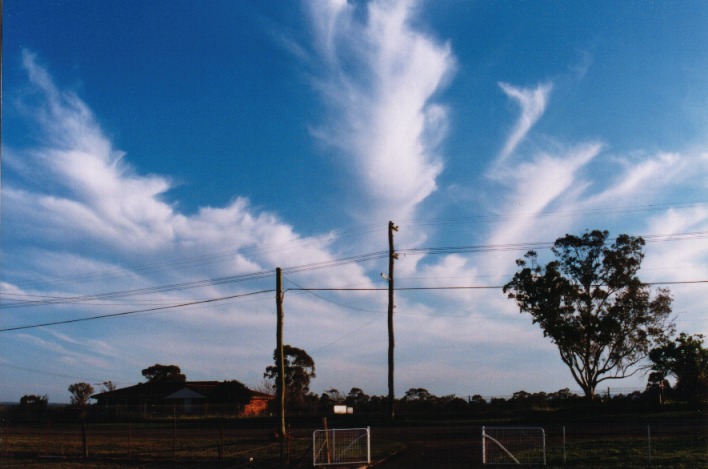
342	409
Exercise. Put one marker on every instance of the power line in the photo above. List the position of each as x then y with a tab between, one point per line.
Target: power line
126	313
305	289
320	265
351	332
198	283
58	375
212	258
312	292
304	268
540	245
468	287
225	255
141	291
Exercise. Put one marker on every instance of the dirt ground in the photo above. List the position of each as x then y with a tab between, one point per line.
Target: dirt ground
449	447
608	441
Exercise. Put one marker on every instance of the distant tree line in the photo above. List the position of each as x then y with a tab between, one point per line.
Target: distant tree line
683	359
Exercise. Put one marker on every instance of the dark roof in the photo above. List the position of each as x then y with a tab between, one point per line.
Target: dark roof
163	390
185	393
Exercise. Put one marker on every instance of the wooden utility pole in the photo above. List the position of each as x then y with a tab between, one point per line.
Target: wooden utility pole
391	257
280	384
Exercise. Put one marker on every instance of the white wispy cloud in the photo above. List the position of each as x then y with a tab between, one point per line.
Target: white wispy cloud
645	178
533	102
97	198
62	351
380	86
548	181
95	195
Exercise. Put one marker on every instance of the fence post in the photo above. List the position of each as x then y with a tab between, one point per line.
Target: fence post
174	431
564	460
47	435
326	432
221	440
484	448
368	445
84	441
7	434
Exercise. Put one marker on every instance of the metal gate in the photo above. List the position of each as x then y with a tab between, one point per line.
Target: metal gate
341	446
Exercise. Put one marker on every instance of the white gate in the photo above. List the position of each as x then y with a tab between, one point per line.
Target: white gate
341	446
513	445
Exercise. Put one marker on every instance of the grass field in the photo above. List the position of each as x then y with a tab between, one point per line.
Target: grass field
667	440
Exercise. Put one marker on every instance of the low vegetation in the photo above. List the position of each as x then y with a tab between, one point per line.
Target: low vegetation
623	431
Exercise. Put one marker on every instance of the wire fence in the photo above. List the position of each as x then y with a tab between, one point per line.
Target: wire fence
186	443
513	445
181	442
344	446
628	445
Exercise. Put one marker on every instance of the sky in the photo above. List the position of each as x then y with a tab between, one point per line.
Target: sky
161	159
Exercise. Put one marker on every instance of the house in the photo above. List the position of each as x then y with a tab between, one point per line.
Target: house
185	398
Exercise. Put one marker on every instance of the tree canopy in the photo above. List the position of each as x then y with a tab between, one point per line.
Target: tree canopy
591	304
80	394
232	392
334	396
34	401
685	359
357	397
108	386
164	374
418	394
299	370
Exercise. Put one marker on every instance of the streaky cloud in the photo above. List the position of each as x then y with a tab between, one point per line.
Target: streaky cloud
533	102
643	178
547	181
379	88
99	205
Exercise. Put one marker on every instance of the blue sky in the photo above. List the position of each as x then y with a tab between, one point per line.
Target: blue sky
154	144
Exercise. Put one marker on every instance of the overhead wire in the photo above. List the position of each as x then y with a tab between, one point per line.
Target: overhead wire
194	261
46	300
58	375
221	256
212	300
315	266
140	291
339	339
194	284
312	292
127	313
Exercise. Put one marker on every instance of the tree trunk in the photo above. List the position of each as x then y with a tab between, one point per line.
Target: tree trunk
589	391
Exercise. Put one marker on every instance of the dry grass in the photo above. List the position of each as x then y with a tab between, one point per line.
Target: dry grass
677	441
